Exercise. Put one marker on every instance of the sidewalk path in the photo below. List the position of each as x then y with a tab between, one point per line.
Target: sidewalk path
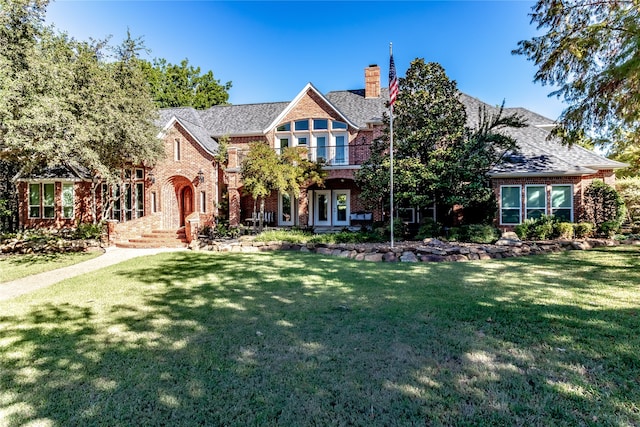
111	256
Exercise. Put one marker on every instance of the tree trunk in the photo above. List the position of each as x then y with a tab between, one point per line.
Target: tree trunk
261	212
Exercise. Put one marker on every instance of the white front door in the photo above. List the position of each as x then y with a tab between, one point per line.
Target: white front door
286	209
322	207
341	208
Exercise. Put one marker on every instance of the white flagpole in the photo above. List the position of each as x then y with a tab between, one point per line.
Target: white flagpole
391	157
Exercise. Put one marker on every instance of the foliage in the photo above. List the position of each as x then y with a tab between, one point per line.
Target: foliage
89	230
629	190
564	230
67	102
474	233
542	228
609	228
590	51
436	157
428	228
602	203
303	237
264	171
183	85
583	229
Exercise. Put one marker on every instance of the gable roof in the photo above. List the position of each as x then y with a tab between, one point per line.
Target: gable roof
294	103
538	154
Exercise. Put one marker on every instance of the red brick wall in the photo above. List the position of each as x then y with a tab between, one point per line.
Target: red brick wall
580	183
172	175
82	209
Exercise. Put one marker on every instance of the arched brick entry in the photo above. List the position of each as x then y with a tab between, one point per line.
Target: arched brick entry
177	201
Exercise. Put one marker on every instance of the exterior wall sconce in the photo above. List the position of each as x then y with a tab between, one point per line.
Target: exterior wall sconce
200	176
152	178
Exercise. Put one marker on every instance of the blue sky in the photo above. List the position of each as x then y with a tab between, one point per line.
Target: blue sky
270	50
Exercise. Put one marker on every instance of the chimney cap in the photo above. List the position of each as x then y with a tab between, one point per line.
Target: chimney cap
373	65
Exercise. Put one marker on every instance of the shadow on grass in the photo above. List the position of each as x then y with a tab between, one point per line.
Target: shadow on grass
295	339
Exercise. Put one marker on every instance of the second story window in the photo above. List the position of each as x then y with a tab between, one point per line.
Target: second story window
327	140
176	150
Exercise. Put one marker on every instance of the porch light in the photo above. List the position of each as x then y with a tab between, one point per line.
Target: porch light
151	177
200	176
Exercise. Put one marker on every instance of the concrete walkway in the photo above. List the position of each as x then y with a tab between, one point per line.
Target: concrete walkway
111	256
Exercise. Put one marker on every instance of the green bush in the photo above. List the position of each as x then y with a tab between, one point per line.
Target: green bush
602	203
480	233
523	230
609	228
564	230
582	229
474	233
428	228
88	230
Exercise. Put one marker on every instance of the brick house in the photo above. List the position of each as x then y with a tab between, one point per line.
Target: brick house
189	187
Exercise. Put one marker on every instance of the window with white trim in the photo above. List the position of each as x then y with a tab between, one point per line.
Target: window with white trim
327	140
34	200
203	202
562	202
48	200
67	201
139	199
510	204
536	201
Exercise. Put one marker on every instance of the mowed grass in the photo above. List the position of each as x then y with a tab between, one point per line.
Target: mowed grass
13	267
299	339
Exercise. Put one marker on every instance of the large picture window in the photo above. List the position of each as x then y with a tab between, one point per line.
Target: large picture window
562	202
536	201
510	204
327	140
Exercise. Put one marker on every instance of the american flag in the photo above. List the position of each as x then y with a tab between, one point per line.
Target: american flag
393	82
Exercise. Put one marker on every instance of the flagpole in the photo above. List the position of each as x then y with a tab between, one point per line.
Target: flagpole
391	155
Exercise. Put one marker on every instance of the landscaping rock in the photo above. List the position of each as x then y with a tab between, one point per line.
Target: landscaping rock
408	257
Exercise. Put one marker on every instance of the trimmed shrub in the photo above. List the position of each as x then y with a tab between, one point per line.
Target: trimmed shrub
523	230
481	233
609	228
564	230
428	228
582	230
602	203
543	228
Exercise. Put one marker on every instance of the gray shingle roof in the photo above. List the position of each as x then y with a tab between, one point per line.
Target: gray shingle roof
537	153
61	172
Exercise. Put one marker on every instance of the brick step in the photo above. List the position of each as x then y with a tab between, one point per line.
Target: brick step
157	239
149	245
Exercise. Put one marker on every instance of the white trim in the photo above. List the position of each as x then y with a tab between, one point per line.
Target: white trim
316	220
519	209
280	213
334	203
297	99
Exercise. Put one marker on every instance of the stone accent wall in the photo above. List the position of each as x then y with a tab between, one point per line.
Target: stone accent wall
431	250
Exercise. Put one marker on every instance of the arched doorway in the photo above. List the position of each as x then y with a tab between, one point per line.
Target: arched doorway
186	204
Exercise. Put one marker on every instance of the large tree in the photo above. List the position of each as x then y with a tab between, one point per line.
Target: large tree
264	171
436	157
70	102
183	85
590	50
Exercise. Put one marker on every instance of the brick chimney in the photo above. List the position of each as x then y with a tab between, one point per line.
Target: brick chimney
372	81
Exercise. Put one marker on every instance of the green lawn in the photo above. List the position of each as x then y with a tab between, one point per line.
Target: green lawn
13	267
299	339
